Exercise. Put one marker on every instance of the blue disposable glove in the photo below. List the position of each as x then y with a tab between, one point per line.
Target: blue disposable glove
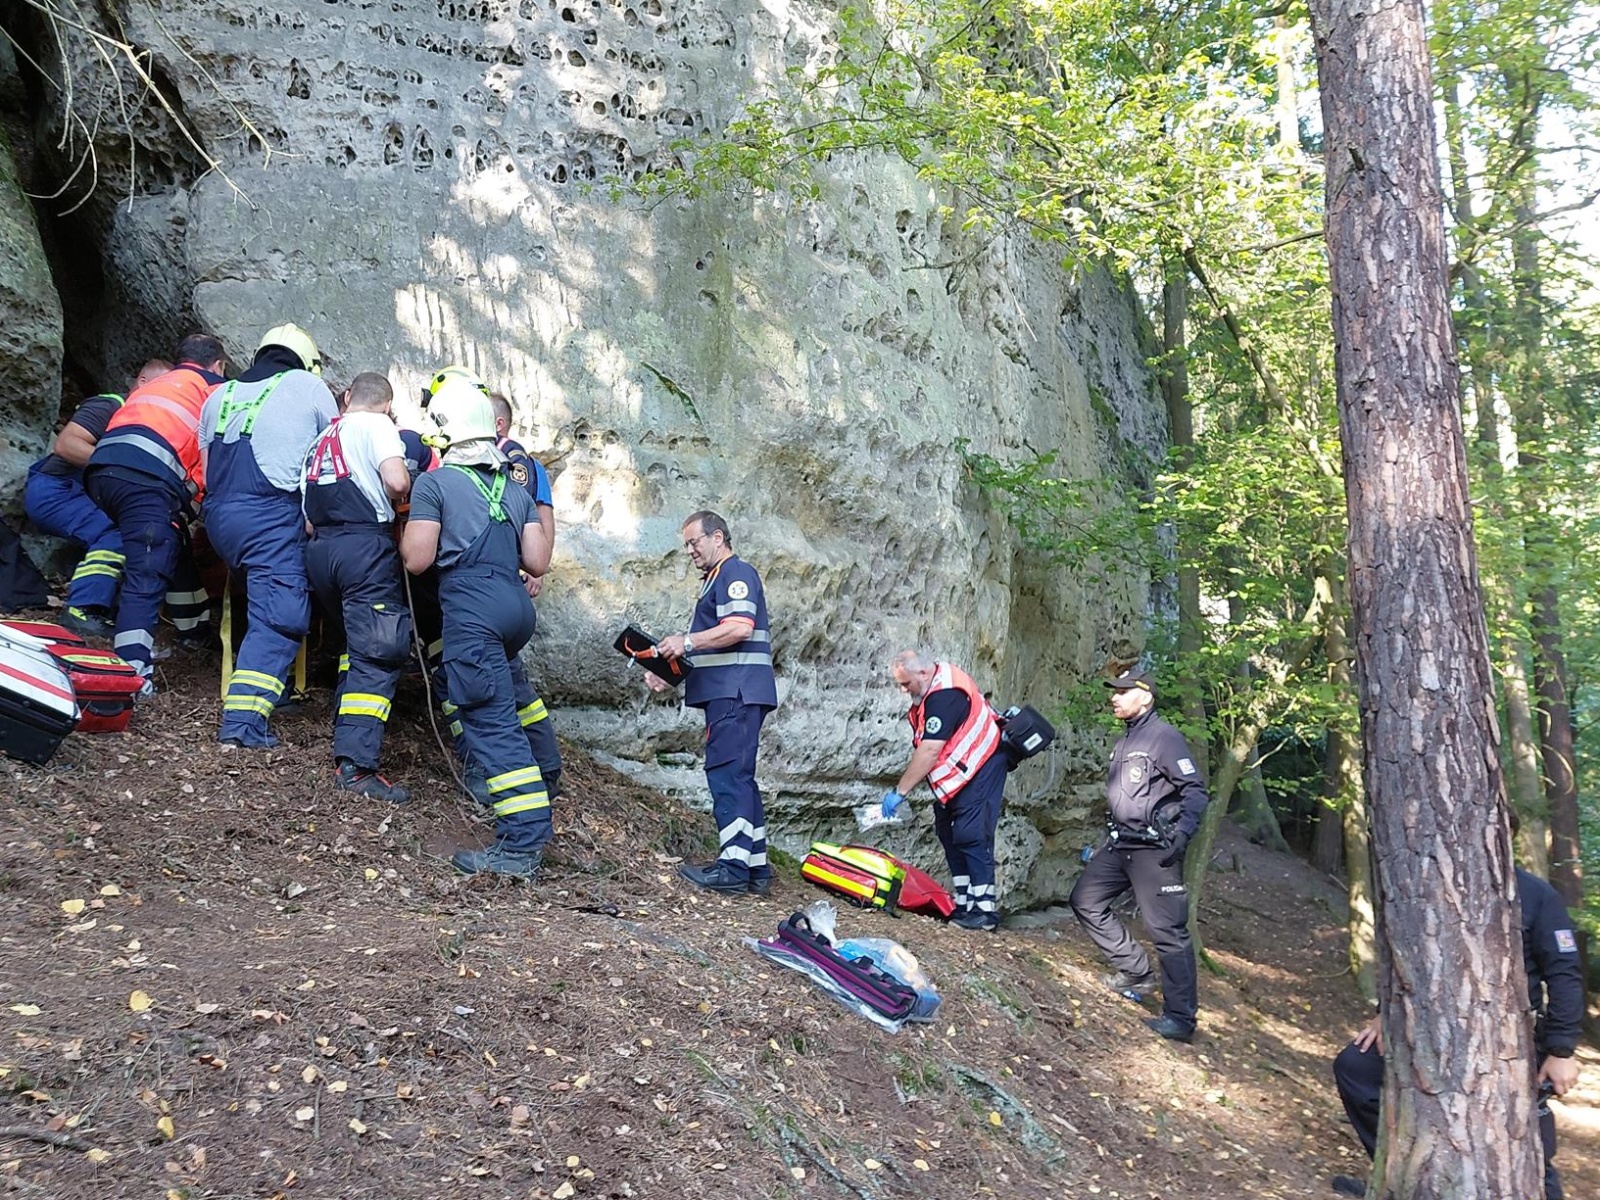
892	801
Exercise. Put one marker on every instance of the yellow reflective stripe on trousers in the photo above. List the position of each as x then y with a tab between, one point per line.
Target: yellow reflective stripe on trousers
257	679
344	662
521	777
364	704
522	802
448	709
532	713
255	704
86	569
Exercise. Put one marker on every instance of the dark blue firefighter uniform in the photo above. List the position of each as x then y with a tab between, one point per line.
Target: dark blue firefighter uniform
57	503
252	515
1152	785
488	619
736	689
1555	996
354	568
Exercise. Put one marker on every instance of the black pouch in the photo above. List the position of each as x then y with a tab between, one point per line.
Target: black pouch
641	647
1024	733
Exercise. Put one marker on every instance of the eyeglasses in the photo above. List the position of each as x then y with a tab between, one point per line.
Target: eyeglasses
695	541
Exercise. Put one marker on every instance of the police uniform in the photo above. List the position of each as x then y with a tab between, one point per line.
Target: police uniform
354	568
56	503
144	474
488	620
1555	997
256	431
1153	793
968	782
736	689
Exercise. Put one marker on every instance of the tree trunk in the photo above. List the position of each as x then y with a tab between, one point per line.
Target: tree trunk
1344	757
1255	810
1457	1124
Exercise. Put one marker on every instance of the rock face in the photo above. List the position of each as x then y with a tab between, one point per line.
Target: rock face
421	182
30	337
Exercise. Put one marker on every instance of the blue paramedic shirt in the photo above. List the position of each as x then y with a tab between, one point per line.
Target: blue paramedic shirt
742	671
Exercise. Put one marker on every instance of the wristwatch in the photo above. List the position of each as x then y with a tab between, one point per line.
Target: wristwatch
688	644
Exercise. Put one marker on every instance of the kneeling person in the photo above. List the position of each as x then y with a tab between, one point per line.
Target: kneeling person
355	471
479	528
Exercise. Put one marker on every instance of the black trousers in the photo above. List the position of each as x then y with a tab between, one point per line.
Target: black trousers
1163	902
1358	1074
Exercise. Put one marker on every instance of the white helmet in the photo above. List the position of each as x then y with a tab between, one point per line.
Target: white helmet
297	341
462	413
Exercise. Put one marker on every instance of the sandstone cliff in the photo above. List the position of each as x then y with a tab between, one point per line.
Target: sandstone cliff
429	181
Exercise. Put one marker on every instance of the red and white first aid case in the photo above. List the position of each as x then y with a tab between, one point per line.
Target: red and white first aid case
37	707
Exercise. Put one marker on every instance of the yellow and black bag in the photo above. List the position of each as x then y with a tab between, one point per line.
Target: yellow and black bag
864	876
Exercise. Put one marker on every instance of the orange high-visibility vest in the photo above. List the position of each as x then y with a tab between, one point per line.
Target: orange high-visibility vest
968	748
168	407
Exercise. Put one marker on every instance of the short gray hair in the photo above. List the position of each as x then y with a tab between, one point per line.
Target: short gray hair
913	660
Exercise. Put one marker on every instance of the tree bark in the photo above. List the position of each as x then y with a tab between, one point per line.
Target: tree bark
1457	1124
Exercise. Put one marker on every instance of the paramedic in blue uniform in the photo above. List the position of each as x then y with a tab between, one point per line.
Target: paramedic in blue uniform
480	529
531	710
56	502
955	739
146	475
1555	999
729	650
1155	801
355	472
254	434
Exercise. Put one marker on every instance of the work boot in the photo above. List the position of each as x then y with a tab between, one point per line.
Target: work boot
251	741
715	877
88	622
976	919
1346	1185
1121	981
515	864
1173	1031
479	787
760	887
348	777
147	690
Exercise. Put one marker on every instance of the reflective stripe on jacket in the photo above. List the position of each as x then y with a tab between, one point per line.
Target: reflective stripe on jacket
157	429
969	747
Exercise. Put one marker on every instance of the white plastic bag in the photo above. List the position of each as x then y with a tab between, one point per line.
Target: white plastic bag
903	965
870	816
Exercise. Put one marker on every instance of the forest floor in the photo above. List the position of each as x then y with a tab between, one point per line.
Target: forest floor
221	978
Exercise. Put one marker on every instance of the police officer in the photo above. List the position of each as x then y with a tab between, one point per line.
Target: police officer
254	433
1555	996
1155	801
955	740
355	471
145	473
56	502
479	528
729	650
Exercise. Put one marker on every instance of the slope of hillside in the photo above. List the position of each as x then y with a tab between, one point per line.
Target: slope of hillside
223	979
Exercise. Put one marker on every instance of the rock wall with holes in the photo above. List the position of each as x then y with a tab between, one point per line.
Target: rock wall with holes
422	182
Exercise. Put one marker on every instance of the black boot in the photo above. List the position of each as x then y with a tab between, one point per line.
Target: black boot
715	877
348	777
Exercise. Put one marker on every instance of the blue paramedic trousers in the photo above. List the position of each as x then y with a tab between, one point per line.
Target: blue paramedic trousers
59	505
733	735
965	828
148	515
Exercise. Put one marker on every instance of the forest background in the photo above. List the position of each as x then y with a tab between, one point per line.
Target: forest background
1179	144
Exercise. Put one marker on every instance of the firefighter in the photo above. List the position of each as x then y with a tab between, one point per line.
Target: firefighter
145	473
1155	800
254	433
478	528
355	472
955	739
56	502
531	709
729	650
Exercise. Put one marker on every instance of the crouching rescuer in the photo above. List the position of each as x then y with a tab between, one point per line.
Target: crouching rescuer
955	739
356	470
1155	800
478	528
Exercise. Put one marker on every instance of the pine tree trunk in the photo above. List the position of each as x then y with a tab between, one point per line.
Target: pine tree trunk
1458	1125
1344	757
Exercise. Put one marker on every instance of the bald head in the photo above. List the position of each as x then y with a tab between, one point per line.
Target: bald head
502	413
369	392
913	671
154	369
